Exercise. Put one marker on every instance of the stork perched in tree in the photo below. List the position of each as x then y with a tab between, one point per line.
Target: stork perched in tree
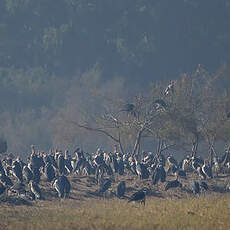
170	88
160	105
129	108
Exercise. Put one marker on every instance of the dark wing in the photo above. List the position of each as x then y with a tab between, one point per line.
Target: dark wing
195	187
168	185
2	188
156	176
6	180
49	172
173	184
121	189
203	185
129	107
160	102
163	174
208	171
182	173
137	196
105	186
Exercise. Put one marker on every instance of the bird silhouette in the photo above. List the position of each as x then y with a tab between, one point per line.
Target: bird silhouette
138	196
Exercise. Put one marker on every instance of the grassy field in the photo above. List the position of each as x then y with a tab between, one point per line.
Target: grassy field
194	213
175	209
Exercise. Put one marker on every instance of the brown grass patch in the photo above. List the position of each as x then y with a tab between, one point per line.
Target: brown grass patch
210	212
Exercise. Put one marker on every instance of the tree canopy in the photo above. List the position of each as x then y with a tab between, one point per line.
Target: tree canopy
133	37
195	111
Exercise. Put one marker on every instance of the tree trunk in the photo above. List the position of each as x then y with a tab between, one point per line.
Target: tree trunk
194	148
120	145
195	145
211	154
159	146
137	142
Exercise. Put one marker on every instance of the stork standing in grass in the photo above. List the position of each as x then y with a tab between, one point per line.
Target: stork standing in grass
139	196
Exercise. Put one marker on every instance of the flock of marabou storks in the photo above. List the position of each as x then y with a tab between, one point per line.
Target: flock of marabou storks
22	179
19	178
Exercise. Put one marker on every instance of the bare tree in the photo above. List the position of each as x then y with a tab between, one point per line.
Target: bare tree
195	109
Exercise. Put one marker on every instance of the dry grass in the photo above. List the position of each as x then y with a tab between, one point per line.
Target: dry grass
210	212
175	209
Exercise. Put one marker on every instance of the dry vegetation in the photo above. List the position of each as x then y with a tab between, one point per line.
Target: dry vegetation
174	209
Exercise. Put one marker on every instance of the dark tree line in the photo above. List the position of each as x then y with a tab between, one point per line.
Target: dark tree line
135	37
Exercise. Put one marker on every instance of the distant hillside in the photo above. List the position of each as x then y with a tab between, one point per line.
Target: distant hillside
46	50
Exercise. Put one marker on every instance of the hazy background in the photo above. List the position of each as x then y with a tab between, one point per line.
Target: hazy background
54	53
